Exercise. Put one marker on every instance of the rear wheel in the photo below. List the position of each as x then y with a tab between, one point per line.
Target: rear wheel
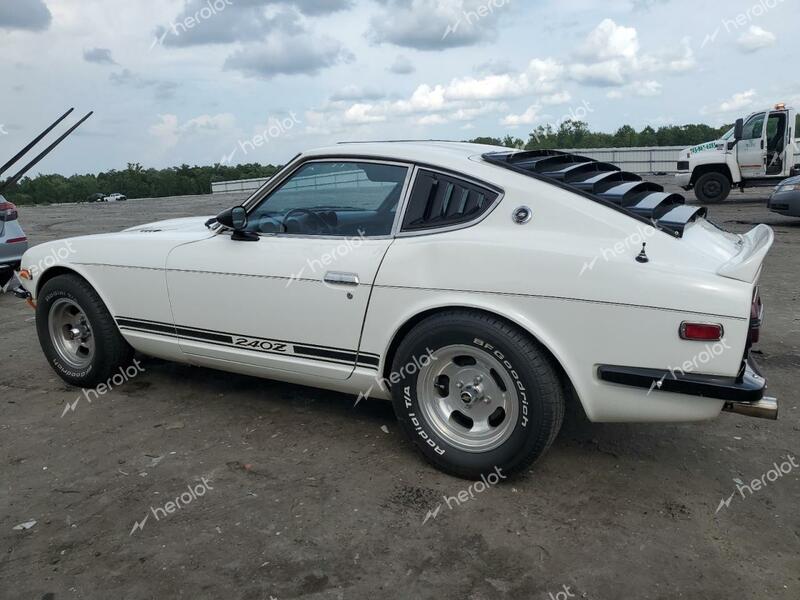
77	333
476	395
712	188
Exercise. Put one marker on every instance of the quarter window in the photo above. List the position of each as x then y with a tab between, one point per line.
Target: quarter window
333	198
439	200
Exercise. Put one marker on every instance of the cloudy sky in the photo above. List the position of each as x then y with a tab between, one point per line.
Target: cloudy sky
206	81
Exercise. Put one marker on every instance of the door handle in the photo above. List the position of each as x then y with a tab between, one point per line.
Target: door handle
341	278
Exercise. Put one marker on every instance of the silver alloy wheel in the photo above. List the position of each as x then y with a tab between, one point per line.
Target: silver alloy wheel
71	333
468	397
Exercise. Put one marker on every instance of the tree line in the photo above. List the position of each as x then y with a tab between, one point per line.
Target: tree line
576	134
137	182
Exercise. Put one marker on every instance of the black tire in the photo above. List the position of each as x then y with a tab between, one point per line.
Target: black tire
539	395
111	351
712	188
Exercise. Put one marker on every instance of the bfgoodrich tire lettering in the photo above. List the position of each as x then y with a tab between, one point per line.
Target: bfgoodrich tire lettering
110	351
483	357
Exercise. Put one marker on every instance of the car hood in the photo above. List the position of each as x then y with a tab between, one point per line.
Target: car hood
183	224
145	246
790	181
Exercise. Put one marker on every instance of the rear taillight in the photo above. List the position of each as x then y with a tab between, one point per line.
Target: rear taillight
8	212
701	332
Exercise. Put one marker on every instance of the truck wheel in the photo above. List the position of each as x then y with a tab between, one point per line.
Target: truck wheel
476	395
77	333
712	188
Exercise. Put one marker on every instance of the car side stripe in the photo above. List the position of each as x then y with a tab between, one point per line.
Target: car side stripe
312	352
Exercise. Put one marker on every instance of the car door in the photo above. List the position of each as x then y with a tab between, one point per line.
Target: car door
778	143
752	148
295	298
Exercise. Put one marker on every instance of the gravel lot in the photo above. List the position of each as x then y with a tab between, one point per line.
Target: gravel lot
309	497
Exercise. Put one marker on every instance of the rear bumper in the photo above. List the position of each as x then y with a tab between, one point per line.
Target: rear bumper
743	394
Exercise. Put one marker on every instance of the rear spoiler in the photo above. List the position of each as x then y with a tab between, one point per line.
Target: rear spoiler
746	265
604	183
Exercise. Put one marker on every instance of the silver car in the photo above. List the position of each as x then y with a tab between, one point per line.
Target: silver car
785	199
13	242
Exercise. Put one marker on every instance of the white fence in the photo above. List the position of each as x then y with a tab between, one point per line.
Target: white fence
239	186
662	159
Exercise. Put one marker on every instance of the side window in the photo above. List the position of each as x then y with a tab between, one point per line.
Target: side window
333	198
442	201
796	133
754	128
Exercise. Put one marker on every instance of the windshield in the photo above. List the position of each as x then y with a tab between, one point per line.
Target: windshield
729	135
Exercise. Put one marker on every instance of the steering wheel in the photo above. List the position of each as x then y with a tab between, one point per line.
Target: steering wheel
307	211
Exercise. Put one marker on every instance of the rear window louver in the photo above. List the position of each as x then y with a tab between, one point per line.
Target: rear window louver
439	200
604	183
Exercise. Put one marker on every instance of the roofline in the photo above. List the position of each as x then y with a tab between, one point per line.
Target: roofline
403	142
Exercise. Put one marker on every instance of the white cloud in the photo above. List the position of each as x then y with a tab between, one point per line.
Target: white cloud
529	117
362	113
169	131
437	24
610	41
556	99
755	39
735	104
611	57
286	54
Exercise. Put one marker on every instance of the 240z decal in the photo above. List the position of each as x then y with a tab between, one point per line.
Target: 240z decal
243	342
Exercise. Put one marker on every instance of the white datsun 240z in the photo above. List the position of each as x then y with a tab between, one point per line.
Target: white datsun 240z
478	288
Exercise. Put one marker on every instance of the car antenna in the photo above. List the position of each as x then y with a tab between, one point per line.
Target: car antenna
9	182
38	138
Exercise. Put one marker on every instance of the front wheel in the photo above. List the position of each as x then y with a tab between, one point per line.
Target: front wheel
476	395
712	188
77	333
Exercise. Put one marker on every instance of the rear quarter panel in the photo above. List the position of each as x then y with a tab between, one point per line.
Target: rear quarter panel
570	278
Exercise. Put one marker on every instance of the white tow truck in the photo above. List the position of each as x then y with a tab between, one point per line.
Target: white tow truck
758	151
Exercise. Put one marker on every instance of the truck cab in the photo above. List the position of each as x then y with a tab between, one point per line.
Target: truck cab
758	151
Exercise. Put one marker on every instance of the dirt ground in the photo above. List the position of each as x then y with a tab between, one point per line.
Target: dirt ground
307	496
